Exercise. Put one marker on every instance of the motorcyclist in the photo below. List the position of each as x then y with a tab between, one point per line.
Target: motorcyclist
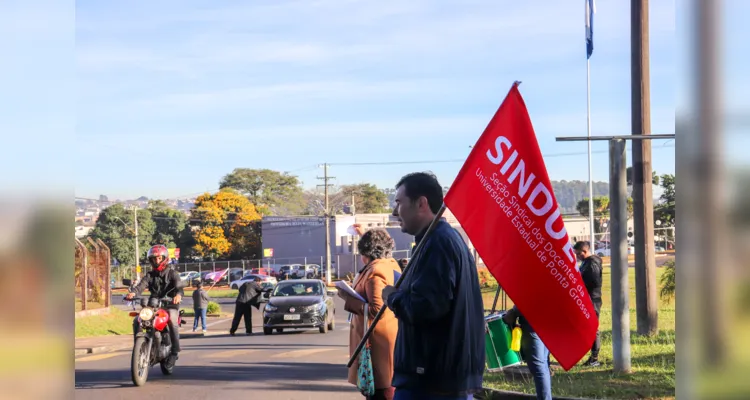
162	281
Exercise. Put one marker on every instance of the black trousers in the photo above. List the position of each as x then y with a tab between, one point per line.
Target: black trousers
598	341
242	310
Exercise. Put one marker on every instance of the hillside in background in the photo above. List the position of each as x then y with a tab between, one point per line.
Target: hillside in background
569	193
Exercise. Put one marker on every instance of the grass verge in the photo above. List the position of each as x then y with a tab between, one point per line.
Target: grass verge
653	359
117	322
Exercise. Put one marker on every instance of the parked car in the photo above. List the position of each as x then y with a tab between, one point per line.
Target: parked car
188	276
299	304
263	279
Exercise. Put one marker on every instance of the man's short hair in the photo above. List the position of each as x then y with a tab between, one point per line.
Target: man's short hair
199	285
425	184
582	246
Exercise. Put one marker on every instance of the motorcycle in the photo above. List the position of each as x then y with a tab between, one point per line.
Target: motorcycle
153	344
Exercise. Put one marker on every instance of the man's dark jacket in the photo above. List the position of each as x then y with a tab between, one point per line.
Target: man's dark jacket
440	343
165	283
591	272
249	294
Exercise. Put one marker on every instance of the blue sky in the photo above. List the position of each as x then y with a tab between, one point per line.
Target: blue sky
172	95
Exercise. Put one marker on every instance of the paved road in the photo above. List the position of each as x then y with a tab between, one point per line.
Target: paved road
295	365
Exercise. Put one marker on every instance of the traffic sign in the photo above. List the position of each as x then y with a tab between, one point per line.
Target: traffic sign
268	253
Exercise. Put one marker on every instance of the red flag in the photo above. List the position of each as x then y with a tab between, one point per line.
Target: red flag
504	201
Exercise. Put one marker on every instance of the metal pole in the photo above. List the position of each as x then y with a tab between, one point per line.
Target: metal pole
406	271
619	248
327	225
591	169
137	253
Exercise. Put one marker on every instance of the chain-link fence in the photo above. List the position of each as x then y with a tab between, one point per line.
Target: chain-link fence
92	274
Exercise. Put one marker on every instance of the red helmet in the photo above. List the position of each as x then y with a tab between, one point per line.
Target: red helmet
158	250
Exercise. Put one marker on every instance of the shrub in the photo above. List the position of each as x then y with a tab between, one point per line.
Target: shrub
668	281
213	308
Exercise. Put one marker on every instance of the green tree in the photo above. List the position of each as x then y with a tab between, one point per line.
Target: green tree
601	210
116	229
368	199
272	192
665	210
170	224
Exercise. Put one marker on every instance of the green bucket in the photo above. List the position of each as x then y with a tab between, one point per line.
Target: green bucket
497	344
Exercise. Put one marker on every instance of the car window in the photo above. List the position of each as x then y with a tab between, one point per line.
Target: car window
298	289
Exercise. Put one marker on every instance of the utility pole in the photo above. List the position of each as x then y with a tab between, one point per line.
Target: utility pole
354	238
327	216
137	253
647	305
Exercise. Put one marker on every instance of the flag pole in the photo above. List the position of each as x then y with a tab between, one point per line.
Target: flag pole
590	31
591	181
407	269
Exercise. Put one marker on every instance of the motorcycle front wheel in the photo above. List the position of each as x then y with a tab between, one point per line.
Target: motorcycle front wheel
139	362
167	367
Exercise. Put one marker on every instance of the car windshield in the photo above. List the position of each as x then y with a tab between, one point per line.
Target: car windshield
297	289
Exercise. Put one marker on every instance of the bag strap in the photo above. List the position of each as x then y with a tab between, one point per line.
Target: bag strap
366	318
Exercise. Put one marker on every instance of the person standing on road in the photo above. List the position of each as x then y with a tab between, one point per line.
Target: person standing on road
200	306
248	297
591	273
375	248
535	354
439	352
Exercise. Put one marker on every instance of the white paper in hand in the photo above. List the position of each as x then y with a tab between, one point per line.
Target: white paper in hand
348	290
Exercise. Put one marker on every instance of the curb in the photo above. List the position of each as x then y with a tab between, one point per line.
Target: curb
494	394
101	349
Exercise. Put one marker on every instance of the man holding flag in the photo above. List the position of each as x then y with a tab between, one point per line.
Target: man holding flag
439	352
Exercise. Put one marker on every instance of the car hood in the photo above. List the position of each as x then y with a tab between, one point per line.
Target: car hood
295	301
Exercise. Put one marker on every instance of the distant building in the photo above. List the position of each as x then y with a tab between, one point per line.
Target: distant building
301	239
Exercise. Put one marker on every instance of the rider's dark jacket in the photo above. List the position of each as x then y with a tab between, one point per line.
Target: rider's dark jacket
165	283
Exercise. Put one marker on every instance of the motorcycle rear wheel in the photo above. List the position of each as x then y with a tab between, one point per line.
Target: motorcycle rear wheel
139	361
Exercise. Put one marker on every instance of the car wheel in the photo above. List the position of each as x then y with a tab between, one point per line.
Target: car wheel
323	328
600	254
331	325
267	331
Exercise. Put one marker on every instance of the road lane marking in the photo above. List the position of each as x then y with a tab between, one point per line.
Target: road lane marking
301	353
231	353
101	356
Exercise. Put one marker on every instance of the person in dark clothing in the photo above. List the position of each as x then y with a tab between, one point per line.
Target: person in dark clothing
591	272
535	354
200	306
162	282
248	297
439	351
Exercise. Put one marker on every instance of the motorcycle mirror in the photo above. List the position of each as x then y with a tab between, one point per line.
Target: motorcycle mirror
127	282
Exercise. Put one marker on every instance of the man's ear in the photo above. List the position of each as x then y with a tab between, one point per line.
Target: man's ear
423	203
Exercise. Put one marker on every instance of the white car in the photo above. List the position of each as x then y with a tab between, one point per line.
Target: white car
263	280
189	275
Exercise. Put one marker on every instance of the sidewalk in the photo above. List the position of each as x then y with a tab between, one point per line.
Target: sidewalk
109	344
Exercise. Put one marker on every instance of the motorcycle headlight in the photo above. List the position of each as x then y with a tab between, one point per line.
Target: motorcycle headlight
270	307
146	314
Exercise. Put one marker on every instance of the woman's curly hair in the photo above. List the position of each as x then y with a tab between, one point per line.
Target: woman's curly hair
376	244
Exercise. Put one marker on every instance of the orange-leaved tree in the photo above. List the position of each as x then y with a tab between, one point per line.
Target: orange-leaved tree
227	225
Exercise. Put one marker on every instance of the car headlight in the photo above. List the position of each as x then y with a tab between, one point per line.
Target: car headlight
316	307
146	314
270	307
